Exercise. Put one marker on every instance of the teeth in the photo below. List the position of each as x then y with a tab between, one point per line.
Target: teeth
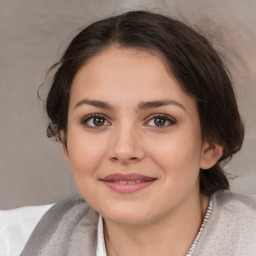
128	181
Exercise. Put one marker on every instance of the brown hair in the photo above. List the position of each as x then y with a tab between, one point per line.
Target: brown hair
191	60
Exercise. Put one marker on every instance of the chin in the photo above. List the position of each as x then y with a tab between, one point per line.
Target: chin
128	216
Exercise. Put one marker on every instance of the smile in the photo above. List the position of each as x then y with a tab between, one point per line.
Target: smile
127	183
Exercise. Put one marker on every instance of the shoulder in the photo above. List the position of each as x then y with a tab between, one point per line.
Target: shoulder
71	209
66	227
231	228
235	211
235	203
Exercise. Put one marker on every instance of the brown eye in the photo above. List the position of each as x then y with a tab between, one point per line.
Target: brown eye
95	121
98	121
161	121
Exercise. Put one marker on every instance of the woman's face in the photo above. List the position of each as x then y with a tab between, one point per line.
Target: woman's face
134	139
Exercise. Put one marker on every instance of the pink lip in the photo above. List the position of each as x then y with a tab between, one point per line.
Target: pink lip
127	183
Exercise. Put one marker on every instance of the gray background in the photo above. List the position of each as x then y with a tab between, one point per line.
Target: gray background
33	34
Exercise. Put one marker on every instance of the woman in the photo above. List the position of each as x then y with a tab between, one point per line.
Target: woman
146	114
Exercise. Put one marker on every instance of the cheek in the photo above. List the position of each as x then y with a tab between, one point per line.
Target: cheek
84	153
85	158
179	154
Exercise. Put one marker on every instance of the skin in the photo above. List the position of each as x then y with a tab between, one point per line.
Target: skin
165	216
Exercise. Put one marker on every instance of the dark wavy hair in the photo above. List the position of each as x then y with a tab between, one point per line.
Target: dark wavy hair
189	57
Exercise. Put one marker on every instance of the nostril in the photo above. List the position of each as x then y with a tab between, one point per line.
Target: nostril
114	158
128	159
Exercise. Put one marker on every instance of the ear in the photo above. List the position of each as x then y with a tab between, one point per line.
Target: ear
64	147
211	153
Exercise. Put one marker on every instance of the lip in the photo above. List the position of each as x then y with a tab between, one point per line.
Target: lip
127	183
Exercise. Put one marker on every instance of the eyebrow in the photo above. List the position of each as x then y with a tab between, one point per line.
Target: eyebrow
142	106
159	103
95	103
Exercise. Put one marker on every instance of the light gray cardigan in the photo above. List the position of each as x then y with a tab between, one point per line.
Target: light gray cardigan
69	228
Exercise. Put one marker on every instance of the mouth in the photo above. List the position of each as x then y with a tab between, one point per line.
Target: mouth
127	183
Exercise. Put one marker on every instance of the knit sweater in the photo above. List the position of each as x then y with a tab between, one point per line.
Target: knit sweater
69	228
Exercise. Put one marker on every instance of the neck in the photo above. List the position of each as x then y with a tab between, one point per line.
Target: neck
172	234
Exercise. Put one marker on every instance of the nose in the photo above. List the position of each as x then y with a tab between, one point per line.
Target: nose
126	146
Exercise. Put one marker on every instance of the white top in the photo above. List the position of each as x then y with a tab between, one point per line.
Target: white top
101	248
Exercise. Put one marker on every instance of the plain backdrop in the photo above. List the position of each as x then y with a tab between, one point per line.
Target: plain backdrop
33	35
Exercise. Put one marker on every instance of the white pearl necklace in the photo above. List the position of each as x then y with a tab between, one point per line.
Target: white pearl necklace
206	218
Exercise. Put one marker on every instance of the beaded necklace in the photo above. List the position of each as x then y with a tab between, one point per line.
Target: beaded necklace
206	218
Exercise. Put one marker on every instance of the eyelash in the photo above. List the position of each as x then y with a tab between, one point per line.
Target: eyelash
171	121
92	117
166	118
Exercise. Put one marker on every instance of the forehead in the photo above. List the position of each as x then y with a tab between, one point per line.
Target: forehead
133	59
122	73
